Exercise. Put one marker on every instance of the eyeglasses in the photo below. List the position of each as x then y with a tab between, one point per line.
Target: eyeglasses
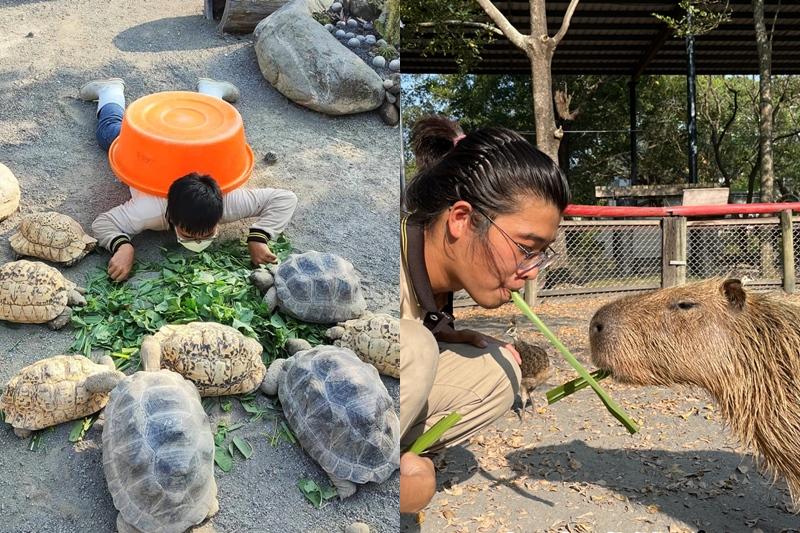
530	258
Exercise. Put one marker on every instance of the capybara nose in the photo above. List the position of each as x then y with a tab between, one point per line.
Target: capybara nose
599	325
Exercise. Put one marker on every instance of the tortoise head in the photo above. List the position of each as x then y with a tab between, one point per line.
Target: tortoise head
150	354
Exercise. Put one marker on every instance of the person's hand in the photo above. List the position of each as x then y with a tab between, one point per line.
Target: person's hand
260	254
417	482
475	338
120	264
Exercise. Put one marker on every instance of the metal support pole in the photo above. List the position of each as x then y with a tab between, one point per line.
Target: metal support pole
691	100
632	111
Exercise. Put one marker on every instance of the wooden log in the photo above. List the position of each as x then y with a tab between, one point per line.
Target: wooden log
242	16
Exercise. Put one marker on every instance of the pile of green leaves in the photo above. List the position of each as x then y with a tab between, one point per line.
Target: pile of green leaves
315	493
224	450
211	286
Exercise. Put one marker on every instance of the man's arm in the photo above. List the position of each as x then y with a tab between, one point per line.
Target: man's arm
114	229
272	208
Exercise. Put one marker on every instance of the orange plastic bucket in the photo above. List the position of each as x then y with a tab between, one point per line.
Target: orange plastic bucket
167	135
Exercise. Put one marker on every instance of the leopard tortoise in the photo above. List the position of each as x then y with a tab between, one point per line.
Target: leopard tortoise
52	236
34	293
57	389
375	338
217	358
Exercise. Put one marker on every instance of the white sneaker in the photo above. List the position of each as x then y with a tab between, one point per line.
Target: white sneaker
221	89
91	91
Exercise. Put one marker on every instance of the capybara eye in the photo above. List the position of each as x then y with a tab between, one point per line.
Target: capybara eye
686	305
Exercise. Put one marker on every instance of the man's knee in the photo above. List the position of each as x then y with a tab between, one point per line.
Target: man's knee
419	360
419	352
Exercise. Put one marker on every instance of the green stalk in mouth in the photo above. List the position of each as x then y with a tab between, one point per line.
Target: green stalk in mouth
610	404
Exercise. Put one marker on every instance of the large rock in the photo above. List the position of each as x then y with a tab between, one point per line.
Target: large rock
365	9
303	61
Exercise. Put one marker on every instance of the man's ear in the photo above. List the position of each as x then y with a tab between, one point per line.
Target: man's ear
459	219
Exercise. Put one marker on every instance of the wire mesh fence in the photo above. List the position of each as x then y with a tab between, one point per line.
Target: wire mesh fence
599	256
620	256
746	249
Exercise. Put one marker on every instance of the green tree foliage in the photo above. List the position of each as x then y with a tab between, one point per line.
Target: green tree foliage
456	28
597	158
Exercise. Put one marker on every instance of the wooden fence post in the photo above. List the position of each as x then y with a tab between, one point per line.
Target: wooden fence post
787	242
673	251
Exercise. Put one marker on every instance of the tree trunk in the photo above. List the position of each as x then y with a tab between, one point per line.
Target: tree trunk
548	137
764	44
540	52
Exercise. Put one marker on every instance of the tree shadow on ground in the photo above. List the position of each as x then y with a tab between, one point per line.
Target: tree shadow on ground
685	485
169	34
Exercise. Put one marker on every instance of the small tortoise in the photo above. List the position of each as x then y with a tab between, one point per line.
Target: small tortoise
340	412
218	359
52	236
33	293
375	338
9	192
313	286
535	367
158	451
57	389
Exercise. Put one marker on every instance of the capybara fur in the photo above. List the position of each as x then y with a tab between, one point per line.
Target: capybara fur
740	346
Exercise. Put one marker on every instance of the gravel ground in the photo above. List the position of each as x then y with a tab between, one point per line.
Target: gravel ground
344	171
571	467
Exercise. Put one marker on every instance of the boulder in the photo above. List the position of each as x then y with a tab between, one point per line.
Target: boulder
308	65
364	9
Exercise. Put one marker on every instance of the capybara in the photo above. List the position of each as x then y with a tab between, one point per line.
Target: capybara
742	347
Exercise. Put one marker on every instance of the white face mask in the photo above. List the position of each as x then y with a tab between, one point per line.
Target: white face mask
194	245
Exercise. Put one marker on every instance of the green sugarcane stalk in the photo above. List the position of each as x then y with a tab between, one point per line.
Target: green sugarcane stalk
562	391
610	404
427	439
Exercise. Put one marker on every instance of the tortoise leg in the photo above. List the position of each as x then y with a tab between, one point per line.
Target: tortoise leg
271	299
124	527
61	320
75	297
344	487
22	433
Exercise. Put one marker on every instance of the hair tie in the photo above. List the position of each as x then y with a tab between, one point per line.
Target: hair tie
458	139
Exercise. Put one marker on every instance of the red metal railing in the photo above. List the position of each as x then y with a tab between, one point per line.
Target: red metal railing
680	210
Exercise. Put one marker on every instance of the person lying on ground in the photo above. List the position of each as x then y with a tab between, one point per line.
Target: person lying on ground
194	207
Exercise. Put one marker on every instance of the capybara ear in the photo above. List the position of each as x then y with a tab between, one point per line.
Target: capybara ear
734	292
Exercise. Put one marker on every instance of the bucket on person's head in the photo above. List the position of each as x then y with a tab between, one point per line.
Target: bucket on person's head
167	135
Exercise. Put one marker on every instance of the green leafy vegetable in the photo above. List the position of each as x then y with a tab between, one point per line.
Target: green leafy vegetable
210	286
79	428
315	493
